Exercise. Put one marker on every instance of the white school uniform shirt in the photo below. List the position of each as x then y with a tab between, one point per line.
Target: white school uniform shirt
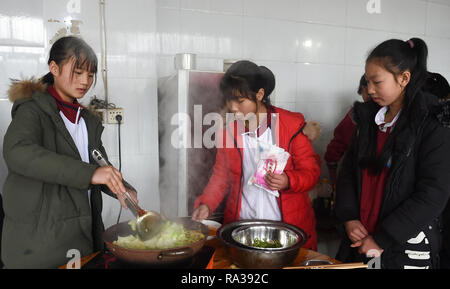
379	119
79	133
256	203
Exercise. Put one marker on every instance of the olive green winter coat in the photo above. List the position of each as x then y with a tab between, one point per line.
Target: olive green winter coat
45	195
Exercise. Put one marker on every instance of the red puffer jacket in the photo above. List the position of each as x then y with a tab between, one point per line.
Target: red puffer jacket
302	170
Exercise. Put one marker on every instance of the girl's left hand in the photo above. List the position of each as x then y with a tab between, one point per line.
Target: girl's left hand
366	245
276	182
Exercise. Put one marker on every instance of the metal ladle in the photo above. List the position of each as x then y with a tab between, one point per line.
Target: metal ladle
148	223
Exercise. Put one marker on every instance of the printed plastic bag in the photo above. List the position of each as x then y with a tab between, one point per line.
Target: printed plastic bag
271	158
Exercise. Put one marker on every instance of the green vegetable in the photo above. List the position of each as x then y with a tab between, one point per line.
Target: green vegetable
266	244
172	235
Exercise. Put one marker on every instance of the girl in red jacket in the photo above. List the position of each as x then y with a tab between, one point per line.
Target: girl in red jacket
244	87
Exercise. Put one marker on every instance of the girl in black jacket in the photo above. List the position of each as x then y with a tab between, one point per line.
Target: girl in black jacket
394	181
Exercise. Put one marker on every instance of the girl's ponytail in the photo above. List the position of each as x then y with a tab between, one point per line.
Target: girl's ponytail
47	79
419	71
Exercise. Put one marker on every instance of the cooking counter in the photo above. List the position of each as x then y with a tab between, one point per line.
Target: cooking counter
220	259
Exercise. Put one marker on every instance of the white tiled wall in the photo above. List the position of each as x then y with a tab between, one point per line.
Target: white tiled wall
131	50
316	48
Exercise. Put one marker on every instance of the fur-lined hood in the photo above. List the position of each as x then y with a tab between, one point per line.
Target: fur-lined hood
24	89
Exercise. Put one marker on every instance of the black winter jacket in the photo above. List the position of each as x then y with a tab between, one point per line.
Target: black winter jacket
418	184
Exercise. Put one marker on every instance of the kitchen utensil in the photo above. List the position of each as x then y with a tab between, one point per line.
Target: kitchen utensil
262	258
331	266
154	257
316	262
148	223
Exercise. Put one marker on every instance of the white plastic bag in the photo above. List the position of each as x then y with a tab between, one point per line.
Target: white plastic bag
271	158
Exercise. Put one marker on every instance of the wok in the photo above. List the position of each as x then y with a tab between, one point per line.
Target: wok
153	257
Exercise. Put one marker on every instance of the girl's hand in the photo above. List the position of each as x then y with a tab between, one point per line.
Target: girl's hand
368	247
355	230
276	182
201	213
111	177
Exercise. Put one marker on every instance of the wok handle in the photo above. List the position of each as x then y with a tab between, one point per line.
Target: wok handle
175	253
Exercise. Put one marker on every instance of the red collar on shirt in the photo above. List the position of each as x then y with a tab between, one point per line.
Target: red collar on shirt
69	109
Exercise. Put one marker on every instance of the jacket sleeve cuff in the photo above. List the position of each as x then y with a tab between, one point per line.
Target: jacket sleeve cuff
383	239
291	182
341	218
85	175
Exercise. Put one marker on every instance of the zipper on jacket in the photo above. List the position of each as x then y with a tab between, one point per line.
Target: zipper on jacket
402	161
292	138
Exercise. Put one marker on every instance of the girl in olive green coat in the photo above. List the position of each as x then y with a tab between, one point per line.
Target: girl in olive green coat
51	197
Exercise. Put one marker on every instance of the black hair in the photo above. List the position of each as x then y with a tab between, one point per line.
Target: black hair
396	56
244	79
437	84
69	47
362	84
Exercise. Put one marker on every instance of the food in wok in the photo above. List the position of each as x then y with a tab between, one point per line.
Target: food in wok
172	235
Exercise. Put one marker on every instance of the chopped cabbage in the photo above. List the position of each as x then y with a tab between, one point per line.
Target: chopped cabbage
172	235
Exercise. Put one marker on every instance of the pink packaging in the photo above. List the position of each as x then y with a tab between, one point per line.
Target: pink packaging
272	158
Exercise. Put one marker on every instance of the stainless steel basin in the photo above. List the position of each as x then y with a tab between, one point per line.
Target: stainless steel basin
245	256
271	234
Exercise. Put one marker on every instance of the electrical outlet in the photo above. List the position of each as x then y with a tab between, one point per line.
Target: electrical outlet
112	113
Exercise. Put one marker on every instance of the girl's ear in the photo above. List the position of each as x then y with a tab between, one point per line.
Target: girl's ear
54	68
404	78
260	94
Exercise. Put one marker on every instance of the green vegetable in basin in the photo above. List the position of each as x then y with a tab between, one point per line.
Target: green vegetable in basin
266	244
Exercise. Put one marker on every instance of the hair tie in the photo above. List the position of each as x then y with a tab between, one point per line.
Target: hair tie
411	43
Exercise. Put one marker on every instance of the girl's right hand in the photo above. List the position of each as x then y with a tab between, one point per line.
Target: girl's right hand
201	213
111	177
355	230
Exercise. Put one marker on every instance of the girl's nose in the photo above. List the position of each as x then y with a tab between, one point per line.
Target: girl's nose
233	107
370	89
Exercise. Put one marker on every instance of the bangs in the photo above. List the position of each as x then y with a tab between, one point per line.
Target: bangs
86	63
84	59
234	88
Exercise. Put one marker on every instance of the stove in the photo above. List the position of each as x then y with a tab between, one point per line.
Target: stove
106	260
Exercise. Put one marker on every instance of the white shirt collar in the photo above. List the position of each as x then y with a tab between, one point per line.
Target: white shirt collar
379	119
